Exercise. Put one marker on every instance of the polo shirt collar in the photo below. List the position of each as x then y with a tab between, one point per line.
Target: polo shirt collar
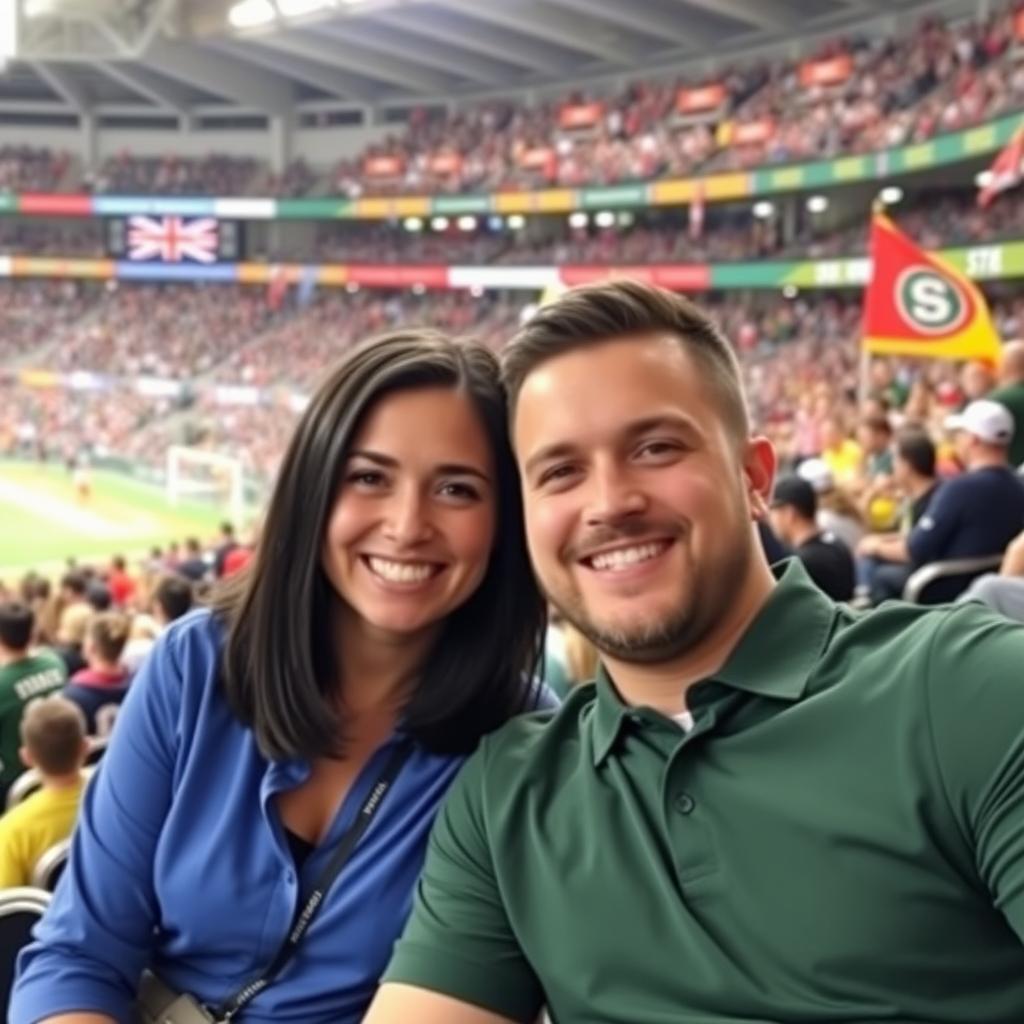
775	657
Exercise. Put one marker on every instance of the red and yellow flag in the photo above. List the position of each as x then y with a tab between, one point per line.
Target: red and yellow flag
917	304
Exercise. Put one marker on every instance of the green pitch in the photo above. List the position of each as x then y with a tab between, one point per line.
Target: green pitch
43	521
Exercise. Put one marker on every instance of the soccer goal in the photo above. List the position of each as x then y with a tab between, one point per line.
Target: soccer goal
194	474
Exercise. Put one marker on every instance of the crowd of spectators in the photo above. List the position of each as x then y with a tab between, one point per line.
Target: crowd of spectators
217	174
32	168
35	315
940	77
168	331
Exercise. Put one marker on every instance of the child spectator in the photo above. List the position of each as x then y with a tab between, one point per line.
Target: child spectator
54	743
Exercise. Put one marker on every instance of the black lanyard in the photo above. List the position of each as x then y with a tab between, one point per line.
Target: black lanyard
306	913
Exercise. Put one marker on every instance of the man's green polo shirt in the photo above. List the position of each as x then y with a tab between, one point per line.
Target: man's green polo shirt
840	837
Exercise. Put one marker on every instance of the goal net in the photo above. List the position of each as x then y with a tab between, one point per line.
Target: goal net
211	478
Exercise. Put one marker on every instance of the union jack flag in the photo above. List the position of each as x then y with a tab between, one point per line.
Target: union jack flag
172	239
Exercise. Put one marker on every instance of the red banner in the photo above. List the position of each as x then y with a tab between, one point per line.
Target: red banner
445	163
749	134
377	276
1018	25
696	101
581	115
694	277
58	205
536	159
383	167
833	71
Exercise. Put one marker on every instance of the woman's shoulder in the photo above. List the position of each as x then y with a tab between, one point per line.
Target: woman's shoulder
199	634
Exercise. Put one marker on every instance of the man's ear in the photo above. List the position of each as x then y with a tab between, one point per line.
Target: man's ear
759	465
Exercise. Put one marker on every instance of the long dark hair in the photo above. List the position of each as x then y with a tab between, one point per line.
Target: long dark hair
279	660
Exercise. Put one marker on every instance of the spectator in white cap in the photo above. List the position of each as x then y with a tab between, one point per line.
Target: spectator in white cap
977	513
837	514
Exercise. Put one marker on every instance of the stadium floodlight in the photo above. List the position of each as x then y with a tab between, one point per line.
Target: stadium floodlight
516	222
578	220
605	219
495	222
627	219
817	204
790	291
413	223
891	194
467	223
352	287
764	209
983	179
440	223
476	291
251	13
297	8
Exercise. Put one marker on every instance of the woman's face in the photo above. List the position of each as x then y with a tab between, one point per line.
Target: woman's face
413	523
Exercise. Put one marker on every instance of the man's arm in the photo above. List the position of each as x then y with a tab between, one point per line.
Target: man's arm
459	960
399	1004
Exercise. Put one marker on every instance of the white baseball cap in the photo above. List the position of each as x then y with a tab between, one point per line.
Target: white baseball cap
986	420
817	474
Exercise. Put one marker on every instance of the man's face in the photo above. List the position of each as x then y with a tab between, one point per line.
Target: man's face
639	503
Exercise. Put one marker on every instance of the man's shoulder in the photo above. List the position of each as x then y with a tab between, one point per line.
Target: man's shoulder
536	742
966	642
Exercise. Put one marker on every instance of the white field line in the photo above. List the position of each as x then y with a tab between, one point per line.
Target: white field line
69	515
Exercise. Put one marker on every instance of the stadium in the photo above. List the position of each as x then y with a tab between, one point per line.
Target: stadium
206	206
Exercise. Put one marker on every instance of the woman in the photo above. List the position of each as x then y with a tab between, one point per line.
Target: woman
389	619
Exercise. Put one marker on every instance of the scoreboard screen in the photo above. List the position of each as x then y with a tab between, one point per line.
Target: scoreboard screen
172	239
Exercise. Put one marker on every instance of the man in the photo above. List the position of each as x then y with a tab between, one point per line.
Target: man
768	808
1011	394
194	566
54	743
826	558
227	544
172	598
883	566
120	583
24	675
977	513
75	612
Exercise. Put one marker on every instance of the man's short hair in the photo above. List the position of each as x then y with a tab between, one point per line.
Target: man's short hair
53	730
797	493
917	449
16	622
108	634
878	424
74	581
603	312
174	595
192	545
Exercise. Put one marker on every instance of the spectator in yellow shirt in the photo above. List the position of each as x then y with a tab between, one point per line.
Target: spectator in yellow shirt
54	743
843	456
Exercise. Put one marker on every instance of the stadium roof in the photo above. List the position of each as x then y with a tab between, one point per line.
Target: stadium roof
186	56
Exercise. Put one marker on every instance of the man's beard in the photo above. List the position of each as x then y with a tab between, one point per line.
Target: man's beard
697	614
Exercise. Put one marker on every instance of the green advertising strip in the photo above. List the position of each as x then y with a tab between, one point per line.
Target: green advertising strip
613	196
449	205
314	209
945	149
980	262
8	202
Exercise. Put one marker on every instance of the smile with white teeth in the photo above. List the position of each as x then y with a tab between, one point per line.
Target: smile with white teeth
400	572
626	558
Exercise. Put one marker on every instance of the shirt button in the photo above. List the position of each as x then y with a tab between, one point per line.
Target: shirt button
684	803
289	877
